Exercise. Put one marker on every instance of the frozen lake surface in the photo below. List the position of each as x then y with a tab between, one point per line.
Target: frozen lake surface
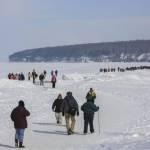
123	97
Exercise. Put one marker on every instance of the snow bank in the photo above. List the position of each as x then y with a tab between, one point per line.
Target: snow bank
14	84
74	77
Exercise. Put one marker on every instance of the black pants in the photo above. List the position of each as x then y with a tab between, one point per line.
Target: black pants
33	80
88	119
53	84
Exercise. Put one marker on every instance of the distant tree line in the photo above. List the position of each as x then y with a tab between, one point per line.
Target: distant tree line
124	51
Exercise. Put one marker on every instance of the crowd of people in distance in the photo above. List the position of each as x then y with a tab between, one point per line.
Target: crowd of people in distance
16	76
42	77
34	76
120	69
67	107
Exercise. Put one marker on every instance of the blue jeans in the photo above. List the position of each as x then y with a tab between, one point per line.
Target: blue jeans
19	135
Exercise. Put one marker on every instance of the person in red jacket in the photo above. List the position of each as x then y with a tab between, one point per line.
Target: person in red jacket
18	116
53	80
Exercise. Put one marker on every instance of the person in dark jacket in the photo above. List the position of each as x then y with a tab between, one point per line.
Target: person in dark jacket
34	76
21	77
18	116
89	108
44	72
52	73
69	110
41	78
56	73
91	95
56	107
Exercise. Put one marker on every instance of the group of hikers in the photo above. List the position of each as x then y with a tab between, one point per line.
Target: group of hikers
42	77
34	76
16	76
120	69
67	107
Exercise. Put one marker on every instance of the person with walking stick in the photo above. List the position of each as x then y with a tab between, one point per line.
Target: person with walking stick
89	108
99	121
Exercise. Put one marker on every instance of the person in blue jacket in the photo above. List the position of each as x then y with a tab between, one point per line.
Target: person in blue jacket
89	108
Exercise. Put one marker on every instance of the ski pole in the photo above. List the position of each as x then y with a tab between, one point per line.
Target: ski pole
99	121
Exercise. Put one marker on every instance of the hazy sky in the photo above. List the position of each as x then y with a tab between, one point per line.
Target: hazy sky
26	24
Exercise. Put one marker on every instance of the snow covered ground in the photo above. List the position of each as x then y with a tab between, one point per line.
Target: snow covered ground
124	100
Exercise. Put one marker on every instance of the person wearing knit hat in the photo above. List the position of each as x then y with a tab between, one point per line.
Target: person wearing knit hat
18	116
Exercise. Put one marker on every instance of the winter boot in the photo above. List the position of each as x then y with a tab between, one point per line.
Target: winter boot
20	145
72	132
16	143
92	131
69	132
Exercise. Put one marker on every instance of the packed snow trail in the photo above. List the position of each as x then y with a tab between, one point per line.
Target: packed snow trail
124	110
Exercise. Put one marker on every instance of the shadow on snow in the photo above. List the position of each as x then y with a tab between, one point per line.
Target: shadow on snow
56	132
51	132
48	124
6	146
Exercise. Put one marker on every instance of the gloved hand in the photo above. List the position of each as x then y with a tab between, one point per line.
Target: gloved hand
63	113
97	107
77	113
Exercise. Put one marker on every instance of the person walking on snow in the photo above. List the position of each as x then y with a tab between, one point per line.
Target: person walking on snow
53	80
41	78
29	76
89	108
18	116
52	73
44	72
56	107
69	110
34	75
56	73
91	95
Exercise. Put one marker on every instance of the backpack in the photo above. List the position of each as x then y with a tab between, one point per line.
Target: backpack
36	75
72	111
